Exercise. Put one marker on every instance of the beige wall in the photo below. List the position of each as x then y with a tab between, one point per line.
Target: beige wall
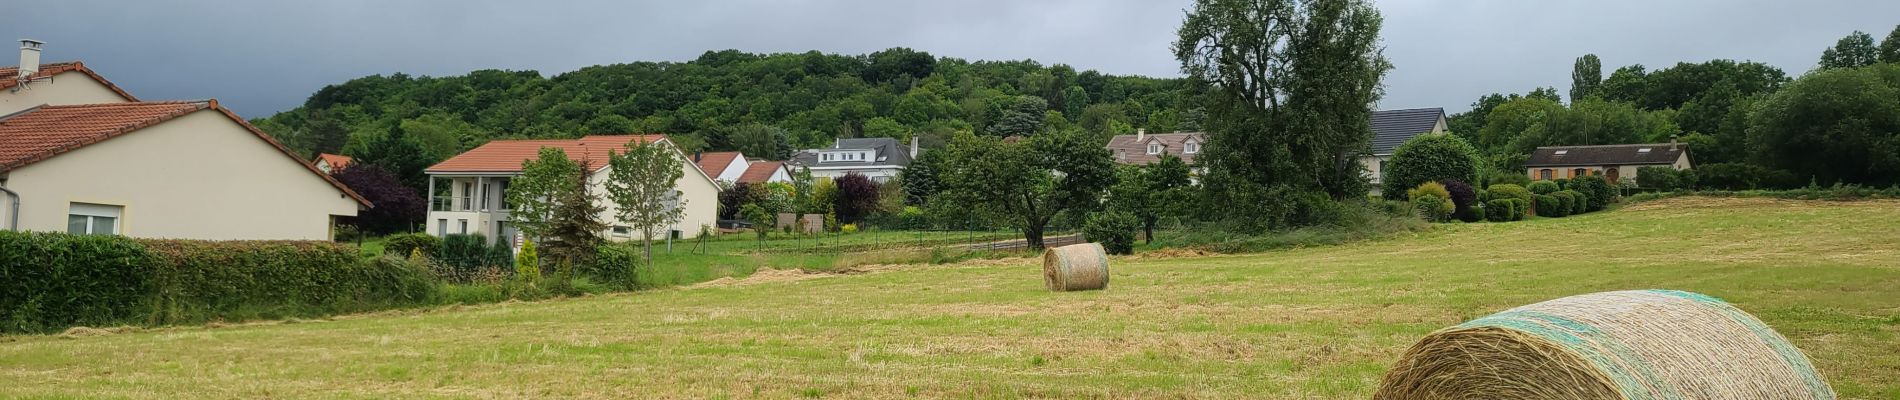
698	192
200	176
72	87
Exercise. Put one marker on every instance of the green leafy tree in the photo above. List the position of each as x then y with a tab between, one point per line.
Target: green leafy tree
921	179
1585	77
1114	230
643	184
1840	125
1854	51
1890	48
1027	182
1023	117
760	218
536	192
1153	192
1429	158
760	141
574	232
399	155
441	136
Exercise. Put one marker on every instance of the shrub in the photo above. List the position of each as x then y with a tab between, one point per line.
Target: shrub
1432	207
1569	201
1552	206
613	264
849	228
856	199
49	281
1508	191
403	244
1562	183
196	280
1428	188
1115	230
1579	204
1543	187
1429	158
1463	199
1737	176
1476	214
1507	178
1659	178
466	253
1396	208
527	263
1498	210
1520	208
1596	191
912	217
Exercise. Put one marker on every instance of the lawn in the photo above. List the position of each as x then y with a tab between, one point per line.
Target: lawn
1315	322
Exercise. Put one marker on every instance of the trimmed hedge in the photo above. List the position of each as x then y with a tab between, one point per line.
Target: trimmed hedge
1544	187
1498	210
1551	206
1568	202
403	244
1115	230
1596	190
50	281
1578	203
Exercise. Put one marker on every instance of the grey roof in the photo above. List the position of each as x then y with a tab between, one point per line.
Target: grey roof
1391	128
890	152
1605	155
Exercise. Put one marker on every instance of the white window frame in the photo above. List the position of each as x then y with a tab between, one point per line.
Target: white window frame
1154	148
114	216
1191	147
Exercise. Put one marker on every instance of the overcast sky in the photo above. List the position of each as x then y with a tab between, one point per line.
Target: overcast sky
263	57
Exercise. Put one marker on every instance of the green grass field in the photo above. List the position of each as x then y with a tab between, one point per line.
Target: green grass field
1316	322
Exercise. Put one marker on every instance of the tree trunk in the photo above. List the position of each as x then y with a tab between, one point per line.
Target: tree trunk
1149	230
1032	236
646	241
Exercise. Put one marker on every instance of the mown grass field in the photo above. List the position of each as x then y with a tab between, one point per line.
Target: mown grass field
1320	322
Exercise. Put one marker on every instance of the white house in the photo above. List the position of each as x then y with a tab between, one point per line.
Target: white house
766	172
722	166
1614	162
1391	128
877	158
1143	148
468	192
79	155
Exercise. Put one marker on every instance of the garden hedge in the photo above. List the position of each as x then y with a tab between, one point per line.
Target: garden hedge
1114	230
1596	190
1551	206
1568	202
51	281
1498	210
1579	204
1544	187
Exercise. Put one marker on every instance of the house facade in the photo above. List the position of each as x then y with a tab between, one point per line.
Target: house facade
1391	128
766	172
1143	148
880	159
1614	162
78	155
468	192
722	166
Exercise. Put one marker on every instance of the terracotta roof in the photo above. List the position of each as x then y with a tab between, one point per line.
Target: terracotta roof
715	162
760	172
337	161
8	76
1615	154
1391	128
1127	150
506	156
43	132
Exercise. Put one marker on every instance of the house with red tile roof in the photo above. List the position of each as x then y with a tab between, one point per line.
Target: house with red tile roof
722	166
766	172
468	192
331	163
79	155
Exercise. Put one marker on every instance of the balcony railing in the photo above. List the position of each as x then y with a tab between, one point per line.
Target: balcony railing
463	203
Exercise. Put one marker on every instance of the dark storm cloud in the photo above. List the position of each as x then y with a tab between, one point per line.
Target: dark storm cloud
263	57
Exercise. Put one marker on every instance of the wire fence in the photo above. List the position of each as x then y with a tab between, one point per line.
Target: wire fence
876	240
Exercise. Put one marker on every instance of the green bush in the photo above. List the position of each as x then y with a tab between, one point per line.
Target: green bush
1544	187
1520	209
1432	208
1507	178
1579	204
1596	191
1551	206
1498	210
528	262
1508	191
401	245
1429	158
49	281
1738	176
1659	178
1115	230
613	264
199	280
1475	214
1567	202
467	254
1562	183
912	218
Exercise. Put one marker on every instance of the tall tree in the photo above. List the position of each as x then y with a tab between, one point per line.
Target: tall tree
1291	87
857	198
921	179
536	193
393	207
1585	77
759	141
1890	48
1854	51
1840	125
1023	117
397	153
1026	182
1153	192
643	184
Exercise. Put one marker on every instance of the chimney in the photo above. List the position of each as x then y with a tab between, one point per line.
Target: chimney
913	147
698	154
1672	139
29	57
1141	134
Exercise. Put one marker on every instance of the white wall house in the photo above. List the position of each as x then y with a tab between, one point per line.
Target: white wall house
468	192
766	172
78	155
1391	128
879	159
722	166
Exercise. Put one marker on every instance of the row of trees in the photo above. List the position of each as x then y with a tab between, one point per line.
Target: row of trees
554	202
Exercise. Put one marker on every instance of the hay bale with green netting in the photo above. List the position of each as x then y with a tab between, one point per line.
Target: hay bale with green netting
1075	267
1646	344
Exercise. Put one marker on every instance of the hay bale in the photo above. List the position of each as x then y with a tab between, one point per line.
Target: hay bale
1647	344
1075	267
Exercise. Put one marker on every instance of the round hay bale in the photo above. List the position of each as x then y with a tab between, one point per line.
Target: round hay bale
1645	344
1075	267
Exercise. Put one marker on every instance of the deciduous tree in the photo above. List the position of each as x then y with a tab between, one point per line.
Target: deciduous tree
643	182
1854	51
1026	182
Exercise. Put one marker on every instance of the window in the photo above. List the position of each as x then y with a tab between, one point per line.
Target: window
1191	147
464	224
1579	172
1154	148
622	231
1544	174
675	234
442	227
1643	150
468	193
93	219
1563	152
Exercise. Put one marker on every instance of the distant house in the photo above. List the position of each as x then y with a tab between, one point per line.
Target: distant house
765	172
1143	148
1613	162
722	166
331	163
79	155
1391	128
877	158
471	197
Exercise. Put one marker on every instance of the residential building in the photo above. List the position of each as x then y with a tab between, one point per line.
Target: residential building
766	172
1391	128
879	159
1613	162
1143	148
331	163
79	155
468	192
722	166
